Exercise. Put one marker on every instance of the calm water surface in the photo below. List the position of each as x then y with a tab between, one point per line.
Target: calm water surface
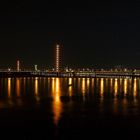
62	108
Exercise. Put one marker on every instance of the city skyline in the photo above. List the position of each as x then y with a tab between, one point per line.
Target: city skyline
99	34
58	65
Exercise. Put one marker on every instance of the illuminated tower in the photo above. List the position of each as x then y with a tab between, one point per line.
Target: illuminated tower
57	65
18	65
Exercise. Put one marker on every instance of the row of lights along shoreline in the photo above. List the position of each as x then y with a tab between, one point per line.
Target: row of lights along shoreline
58	69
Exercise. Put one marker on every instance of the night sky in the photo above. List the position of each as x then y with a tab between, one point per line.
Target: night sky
92	34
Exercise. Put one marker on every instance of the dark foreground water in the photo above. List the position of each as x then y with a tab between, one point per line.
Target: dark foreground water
66	108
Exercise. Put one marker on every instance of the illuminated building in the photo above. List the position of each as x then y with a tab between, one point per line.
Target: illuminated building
57	65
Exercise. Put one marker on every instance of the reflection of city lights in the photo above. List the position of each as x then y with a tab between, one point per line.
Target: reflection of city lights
83	88
9	92
120	81
83	85
36	86
53	85
102	87
24	85
125	86
57	106
9	87
57	86
111	83
36	90
18	86
70	87
70	90
70	81
93	84
116	86
57	98
88	83
135	87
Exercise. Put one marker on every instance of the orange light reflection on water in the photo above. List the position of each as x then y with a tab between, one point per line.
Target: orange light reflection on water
36	86
135	88
9	87
116	87
83	88
125	86
111	84
57	105
18	87
101	87
70	87
36	89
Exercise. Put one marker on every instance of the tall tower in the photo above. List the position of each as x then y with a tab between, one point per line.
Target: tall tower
18	65
57	63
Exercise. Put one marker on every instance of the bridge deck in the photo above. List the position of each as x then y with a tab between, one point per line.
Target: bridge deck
67	74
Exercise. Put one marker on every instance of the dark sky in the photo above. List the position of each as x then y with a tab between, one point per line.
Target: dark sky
92	34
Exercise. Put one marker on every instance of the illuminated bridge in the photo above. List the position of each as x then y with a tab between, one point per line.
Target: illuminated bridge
77	74
57	72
